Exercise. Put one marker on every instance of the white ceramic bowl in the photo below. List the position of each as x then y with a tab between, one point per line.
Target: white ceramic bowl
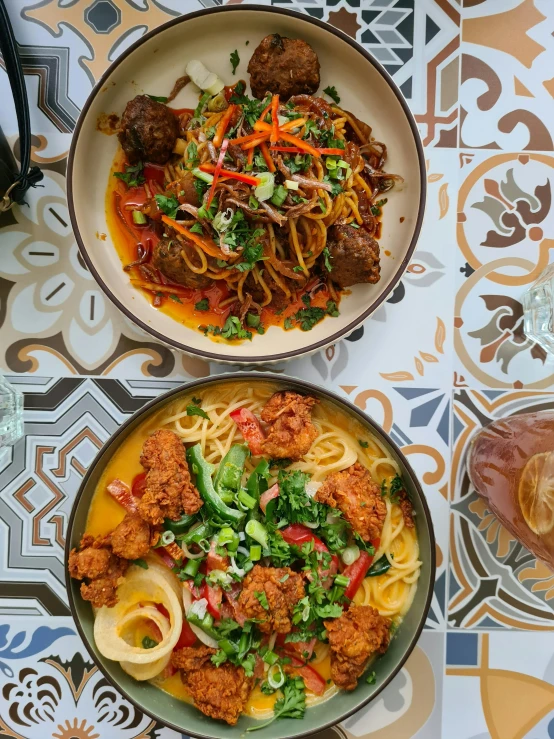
152	65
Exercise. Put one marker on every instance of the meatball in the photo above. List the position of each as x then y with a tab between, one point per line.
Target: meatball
95	563
354	493
169	490
219	692
283	66
353	638
278	588
167	258
148	131
354	256
131	538
291	432
278	301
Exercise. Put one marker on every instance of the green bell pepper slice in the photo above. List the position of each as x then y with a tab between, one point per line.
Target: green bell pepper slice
203	471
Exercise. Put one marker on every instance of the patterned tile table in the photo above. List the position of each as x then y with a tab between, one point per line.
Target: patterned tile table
480	81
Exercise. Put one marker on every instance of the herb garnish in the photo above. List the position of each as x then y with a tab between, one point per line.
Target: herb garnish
194	410
235	60
133	175
202	305
169	205
333	94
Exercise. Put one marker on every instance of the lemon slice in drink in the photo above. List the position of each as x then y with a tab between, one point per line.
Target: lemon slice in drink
536	493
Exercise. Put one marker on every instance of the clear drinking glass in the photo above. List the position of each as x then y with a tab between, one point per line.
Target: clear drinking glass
538	310
11	414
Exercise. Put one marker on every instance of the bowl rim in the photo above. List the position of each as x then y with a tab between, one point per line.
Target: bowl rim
296	384
220	356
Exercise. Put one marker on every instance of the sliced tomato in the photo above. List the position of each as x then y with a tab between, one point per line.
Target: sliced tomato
187	638
121	492
165	557
215	561
298	534
312	679
232	596
168	671
154	172
138	487
270	494
163	610
356	573
302	648
214	596
250	428
195	591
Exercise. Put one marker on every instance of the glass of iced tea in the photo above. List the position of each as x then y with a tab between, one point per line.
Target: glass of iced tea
511	465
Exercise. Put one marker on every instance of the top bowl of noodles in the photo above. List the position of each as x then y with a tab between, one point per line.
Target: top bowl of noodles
183	611
265	189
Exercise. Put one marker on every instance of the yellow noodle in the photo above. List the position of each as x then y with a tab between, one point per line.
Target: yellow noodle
204	262
296	246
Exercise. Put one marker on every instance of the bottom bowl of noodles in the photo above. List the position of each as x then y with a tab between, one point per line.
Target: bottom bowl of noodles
242	550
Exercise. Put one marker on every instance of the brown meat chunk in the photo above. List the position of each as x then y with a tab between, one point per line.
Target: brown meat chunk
184	190
219	692
278	298
358	497
131	538
166	257
148	131
354	256
95	562
169	490
353	638
283	66
291	432
281	597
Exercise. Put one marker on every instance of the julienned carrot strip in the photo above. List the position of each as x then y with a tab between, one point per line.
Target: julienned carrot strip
265	111
250	157
262	126
217	169
300	143
207	167
296	150
223	125
255	142
295	123
274	119
248	178
244	139
266	155
207	245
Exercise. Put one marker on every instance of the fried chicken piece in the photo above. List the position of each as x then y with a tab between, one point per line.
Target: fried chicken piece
282	587
169	490
291	432
219	692
131	539
359	498
95	562
354	637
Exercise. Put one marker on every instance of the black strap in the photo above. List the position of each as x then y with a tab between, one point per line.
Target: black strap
27	176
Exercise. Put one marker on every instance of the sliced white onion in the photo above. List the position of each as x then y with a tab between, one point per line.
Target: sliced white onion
312	487
243	550
291	185
242	536
239	572
203	78
147	672
311	524
154	585
204	638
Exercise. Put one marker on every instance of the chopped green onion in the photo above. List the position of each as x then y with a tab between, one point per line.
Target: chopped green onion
342	581
192	566
270	657
276	676
331	163
257	531
279	195
229	647
255	552
226	534
350	554
168	537
139	218
247	500
343	164
222	219
291	185
266	187
204	176
253	320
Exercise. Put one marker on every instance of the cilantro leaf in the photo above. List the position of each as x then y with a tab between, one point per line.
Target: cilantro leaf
371	679
291	705
327	259
148	643
196	229
176	298
141	563
194	410
133	176
235	60
233	329
219	658
202	305
262	598
169	205
363	444
293	503
192	154
336	188
248	664
157	99
333	94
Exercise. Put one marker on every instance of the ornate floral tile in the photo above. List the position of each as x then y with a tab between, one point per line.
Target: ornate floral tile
494	581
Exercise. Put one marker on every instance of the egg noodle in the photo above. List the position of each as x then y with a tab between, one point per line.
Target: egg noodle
335	448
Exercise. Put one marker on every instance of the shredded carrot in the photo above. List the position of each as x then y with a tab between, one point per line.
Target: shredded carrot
296	123
207	245
266	155
250	157
255	142
265	111
274	119
248	178
223	125
244	139
218	166
300	143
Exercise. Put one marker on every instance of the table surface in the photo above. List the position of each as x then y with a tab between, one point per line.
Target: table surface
479	80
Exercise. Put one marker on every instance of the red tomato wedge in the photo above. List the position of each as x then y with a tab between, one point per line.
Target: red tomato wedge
187	638
154	172
302	648
356	573
215	561
120	491
163	610
138	487
165	557
232	596
214	596
312	679
298	534
250	428
270	494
